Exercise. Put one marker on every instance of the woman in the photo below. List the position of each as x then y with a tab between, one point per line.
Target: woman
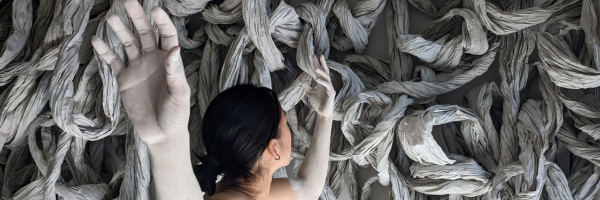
244	128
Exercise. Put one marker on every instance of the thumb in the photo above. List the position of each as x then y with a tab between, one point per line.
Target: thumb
305	81
175	74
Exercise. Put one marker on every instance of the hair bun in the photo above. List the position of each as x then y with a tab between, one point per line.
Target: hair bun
207	172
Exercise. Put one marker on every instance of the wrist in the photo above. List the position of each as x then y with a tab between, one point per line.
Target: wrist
324	117
176	142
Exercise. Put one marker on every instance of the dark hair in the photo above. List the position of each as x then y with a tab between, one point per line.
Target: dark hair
238	125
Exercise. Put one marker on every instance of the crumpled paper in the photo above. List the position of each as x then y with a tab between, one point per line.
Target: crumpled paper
66	136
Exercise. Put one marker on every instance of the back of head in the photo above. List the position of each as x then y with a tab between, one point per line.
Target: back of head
237	127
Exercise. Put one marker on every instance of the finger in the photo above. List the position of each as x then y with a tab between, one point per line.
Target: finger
125	35
315	61
323	74
306	87
324	64
176	80
305	82
325	84
142	24
110	57
168	32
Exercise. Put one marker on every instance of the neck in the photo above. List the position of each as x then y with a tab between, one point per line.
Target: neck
259	188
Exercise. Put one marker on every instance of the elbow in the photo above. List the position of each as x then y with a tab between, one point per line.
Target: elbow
307	190
314	191
315	194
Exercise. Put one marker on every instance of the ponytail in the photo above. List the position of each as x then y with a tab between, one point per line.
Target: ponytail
206	173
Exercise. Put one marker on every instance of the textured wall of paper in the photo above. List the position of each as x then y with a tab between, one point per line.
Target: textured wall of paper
65	135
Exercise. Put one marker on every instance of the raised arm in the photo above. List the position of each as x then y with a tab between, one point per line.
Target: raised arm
312	173
156	96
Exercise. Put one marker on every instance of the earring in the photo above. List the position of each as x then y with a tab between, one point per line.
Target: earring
278	157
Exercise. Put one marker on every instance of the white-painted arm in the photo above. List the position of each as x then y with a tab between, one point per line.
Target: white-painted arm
156	96
310	179
172	170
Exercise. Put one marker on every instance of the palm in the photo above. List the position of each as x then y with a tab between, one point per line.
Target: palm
153	88
147	100
318	98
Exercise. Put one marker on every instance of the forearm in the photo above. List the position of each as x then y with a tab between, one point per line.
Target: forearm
172	170
314	167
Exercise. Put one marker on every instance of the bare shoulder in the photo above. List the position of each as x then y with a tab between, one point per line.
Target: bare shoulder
281	189
225	196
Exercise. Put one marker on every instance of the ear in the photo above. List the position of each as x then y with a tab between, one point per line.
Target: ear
275	149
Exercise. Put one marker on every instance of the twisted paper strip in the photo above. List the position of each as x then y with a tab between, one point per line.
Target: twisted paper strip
65	133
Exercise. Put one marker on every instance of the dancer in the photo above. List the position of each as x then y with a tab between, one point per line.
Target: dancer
244	128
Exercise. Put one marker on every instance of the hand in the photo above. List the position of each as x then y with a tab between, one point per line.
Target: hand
153	87
321	97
